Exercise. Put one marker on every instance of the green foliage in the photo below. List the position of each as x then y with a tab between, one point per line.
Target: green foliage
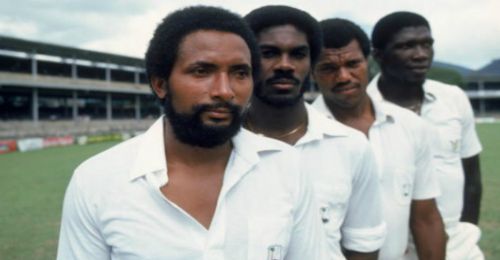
449	76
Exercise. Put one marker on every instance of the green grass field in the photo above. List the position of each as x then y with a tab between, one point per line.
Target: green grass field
32	186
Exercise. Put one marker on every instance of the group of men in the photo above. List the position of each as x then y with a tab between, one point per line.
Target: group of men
241	167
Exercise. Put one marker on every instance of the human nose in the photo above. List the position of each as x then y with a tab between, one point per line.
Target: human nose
222	88
285	63
421	52
343	75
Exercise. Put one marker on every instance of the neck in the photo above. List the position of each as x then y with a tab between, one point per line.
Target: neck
287	124
360	116
401	93
176	150
344	114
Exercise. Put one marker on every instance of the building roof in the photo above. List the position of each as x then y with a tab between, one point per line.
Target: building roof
16	44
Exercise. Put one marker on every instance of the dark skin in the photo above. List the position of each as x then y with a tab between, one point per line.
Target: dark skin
342	76
472	191
404	63
211	67
285	49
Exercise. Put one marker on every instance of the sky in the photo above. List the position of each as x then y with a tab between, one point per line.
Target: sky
466	33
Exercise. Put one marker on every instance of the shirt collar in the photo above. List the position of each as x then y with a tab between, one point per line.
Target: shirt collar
151	151
320	125
382	112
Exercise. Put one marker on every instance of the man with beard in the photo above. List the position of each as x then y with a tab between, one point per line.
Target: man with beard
400	139
337	158
402	46
194	186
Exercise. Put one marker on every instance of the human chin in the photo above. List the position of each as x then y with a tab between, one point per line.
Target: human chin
278	99
191	129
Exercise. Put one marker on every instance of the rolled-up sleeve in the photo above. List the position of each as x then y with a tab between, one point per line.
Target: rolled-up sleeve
364	229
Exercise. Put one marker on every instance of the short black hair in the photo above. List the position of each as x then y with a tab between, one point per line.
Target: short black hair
164	46
391	24
276	15
337	33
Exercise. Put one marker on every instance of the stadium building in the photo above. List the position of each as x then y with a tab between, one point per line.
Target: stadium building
52	90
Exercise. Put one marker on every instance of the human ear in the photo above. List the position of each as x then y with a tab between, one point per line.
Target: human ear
159	86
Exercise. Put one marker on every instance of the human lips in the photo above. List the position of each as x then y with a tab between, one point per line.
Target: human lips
283	83
345	89
419	69
219	113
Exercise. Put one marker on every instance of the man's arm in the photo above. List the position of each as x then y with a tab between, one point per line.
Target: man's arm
308	237
473	189
363	230
428	229
79	236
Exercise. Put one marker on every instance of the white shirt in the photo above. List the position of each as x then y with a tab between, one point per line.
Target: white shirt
114	209
402	146
342	167
448	110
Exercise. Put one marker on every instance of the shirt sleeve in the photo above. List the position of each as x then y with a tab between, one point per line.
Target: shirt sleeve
308	238
79	236
470	145
426	182
363	229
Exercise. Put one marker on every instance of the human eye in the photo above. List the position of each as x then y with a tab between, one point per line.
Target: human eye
200	70
353	63
326	68
268	53
300	53
428	44
242	72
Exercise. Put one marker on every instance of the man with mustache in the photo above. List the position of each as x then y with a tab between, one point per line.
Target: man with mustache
338	159
403	48
401	141
195	185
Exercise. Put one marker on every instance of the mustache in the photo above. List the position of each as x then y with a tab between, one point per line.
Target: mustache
280	75
234	109
346	83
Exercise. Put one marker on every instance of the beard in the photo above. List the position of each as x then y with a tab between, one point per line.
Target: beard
280	100
190	129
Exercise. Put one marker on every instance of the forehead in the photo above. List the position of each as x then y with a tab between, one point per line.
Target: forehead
348	52
416	33
282	35
211	45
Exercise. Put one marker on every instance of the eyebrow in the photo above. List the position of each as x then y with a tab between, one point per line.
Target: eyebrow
270	46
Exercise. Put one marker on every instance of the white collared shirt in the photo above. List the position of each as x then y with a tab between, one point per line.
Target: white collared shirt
448	111
343	171
402	146
114	209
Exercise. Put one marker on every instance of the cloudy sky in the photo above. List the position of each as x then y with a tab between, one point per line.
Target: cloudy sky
467	32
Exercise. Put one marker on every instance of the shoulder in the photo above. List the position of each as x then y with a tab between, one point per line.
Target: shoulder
444	90
109	165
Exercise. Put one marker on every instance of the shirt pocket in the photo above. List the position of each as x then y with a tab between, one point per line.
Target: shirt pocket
450	140
332	209
269	237
403	185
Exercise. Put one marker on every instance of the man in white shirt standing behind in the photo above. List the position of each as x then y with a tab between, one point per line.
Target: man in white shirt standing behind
338	158
195	185
400	140
403	48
